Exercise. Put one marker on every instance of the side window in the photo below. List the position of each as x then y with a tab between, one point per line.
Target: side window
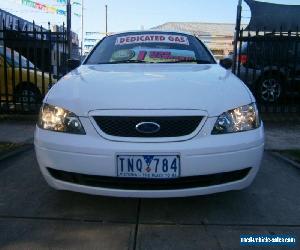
2	61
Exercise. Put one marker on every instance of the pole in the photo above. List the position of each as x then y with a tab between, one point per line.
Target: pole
69	23
82	27
237	34
106	20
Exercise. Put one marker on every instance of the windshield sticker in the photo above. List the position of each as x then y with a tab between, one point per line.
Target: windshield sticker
153	55
150	38
125	54
168	56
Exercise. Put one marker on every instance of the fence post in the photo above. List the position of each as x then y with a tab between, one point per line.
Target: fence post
50	57
69	32
237	33
238	73
5	35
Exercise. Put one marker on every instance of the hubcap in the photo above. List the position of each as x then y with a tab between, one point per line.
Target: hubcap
270	90
27	96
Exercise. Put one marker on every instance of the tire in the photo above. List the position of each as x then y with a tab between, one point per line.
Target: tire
28	96
270	89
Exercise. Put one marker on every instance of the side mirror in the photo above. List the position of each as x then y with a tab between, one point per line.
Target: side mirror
226	63
73	64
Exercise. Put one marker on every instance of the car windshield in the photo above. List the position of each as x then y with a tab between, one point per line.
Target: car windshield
19	61
150	47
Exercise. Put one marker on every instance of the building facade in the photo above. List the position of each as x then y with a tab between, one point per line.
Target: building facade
90	40
217	36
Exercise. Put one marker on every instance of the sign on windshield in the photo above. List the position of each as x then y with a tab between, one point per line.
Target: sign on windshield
152	38
153	54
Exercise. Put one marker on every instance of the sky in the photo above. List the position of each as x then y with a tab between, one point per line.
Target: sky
135	14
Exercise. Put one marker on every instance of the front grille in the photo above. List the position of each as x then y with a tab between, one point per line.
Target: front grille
170	126
149	184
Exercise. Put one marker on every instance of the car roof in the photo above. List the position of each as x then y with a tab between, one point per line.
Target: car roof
152	30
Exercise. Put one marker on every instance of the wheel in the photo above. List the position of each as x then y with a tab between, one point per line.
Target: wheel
270	89
28	96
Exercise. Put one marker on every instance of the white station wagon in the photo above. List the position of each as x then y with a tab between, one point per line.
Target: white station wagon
149	114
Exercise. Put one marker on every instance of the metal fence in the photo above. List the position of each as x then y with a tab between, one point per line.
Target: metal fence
269	63
31	61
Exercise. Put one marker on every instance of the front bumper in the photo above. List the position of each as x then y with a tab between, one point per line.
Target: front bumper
205	154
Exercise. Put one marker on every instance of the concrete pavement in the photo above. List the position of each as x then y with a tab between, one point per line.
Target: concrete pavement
17	131
282	136
33	216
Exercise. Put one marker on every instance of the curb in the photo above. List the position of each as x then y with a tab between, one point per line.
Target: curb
18	118
16	152
280	117
286	159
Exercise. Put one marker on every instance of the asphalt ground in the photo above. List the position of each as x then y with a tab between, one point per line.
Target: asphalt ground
34	216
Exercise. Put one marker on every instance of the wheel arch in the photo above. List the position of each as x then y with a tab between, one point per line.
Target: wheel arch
270	72
24	84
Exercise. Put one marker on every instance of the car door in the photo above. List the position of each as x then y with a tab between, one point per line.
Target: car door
5	79
297	65
1	73
2	79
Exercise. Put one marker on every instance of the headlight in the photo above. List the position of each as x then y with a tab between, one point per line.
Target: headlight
60	120
244	118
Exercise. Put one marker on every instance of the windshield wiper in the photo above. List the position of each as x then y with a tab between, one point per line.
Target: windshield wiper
190	61
125	61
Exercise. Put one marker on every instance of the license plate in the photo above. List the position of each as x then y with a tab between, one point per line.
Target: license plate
148	166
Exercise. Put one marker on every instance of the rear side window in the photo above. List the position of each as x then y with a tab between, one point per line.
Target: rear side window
19	61
153	47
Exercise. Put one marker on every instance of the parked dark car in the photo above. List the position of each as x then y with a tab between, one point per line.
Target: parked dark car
270	66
